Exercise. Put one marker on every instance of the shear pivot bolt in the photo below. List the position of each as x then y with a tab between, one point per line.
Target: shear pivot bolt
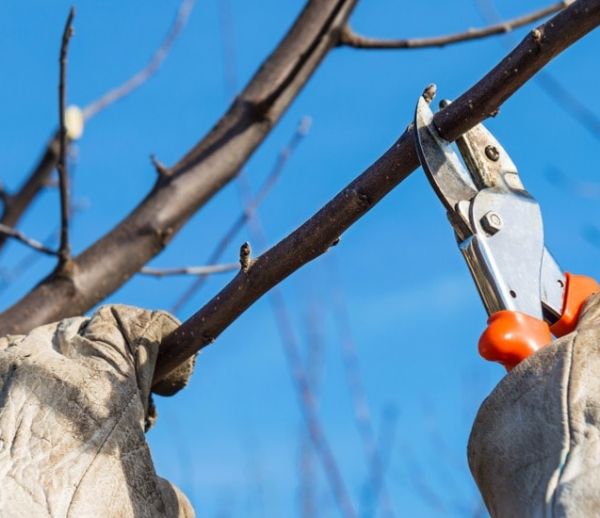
491	222
492	153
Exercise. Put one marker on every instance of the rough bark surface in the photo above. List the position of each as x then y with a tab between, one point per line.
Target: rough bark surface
190	183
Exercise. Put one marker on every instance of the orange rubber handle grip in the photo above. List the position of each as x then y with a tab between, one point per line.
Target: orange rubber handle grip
512	336
577	290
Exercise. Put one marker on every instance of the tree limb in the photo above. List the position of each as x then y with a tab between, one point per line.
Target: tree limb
64	249
248	210
316	235
349	38
570	103
199	175
7	231
16	204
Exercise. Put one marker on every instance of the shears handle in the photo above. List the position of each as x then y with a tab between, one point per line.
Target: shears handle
512	336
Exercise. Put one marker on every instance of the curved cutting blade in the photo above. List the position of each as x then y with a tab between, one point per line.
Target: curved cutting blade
448	177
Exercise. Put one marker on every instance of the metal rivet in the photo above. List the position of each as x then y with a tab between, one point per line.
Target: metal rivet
492	153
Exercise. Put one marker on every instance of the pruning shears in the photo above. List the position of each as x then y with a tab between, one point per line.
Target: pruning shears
499	230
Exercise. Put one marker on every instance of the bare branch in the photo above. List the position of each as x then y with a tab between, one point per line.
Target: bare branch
198	176
238	224
17	203
64	250
297	371
306	454
308	404
316	235
9	276
567	101
360	403
157	59
349	38
22	238
190	270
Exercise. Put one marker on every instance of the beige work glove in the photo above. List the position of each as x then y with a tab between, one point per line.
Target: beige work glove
534	450
74	405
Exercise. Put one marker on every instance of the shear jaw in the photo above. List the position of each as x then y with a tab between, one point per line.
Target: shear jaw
488	163
498	225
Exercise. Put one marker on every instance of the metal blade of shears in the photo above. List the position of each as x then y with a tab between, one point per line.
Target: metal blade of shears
450	180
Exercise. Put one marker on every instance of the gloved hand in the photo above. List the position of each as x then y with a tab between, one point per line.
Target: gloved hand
535	445
74	404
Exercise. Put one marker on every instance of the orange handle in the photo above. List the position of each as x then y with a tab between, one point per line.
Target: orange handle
512	336
577	291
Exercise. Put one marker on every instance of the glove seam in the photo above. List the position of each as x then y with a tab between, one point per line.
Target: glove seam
556	478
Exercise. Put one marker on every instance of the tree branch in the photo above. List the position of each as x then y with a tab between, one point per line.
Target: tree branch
349	38
7	231
157	59
17	203
569	102
316	235
64	250
362	413
199	175
190	270
248	211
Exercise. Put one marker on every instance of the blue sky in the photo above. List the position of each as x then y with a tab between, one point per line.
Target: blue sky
231	440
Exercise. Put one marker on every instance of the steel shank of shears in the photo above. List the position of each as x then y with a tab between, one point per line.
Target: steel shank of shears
498	224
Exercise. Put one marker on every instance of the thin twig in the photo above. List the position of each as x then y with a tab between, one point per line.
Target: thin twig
362	412
64	249
157	59
349	38
8	276
190	270
565	99
299	377
248	211
384	445
584	190
307	477
22	238
16	204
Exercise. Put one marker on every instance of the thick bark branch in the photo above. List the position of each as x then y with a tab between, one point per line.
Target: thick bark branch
317	234
200	174
349	38
16	204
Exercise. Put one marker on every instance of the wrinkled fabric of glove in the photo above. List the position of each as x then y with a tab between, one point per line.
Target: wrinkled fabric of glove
534	450
74	402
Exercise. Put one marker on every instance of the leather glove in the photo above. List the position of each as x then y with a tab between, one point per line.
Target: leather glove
74	405
534	448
